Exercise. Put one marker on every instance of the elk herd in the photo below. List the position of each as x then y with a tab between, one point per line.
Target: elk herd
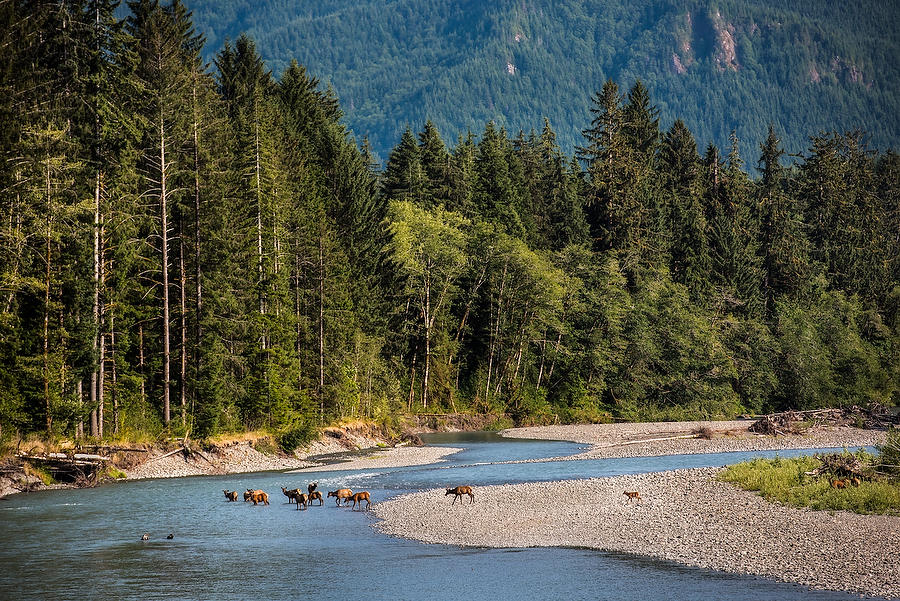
304	499
342	496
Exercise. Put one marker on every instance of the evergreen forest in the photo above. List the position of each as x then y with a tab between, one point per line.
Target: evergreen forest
198	248
805	67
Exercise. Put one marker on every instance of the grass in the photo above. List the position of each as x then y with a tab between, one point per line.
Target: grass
783	480
40	472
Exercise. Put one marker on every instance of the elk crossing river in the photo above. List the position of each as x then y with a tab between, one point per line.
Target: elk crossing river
85	544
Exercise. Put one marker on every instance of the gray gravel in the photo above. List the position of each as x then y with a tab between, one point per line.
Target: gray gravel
685	516
637	439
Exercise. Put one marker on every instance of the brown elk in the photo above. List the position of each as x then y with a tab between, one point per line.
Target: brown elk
837	483
359	498
855	481
291	494
633	495
301	499
315	495
311	487
259	496
459	491
248	495
231	495
341	493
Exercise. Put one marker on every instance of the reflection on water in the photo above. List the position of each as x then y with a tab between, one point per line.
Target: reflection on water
84	544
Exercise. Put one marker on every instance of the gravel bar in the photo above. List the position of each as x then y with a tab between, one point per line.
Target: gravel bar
662	438
686	516
386	458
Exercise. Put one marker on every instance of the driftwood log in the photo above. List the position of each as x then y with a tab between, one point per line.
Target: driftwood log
875	416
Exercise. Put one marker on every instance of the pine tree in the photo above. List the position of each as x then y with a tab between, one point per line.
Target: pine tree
679	167
404	178
166	46
783	247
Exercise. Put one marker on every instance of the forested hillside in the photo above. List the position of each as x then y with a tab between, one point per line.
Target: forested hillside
807	67
195	250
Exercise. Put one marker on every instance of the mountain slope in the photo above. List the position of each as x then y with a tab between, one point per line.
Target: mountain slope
736	64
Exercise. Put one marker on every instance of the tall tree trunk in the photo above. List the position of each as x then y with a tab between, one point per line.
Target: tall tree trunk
259	231
114	390
321	324
164	233
79	424
95	373
297	307
198	286
46	328
184	337
141	367
428	323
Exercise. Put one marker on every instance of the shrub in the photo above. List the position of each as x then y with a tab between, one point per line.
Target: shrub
297	436
888	460
785	481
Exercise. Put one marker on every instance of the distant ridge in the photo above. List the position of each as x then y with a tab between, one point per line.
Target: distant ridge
736	64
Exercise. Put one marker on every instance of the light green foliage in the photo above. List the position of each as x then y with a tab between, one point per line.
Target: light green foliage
784	481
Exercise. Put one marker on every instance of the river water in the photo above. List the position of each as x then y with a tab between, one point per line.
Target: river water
85	544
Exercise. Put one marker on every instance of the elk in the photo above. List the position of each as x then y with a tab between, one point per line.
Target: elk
291	494
459	491
341	493
231	495
310	488
315	495
633	495
301	499
258	496
359	498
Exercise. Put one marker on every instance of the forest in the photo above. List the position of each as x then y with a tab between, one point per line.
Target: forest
193	248
805	67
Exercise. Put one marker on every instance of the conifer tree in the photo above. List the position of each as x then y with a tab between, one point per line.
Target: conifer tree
783	247
679	167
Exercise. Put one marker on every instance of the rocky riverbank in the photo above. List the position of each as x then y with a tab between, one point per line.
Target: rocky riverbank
684	438
686	516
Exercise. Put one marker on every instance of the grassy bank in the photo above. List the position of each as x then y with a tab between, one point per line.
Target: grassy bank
786	481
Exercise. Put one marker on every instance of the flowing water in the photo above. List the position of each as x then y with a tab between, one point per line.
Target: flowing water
85	544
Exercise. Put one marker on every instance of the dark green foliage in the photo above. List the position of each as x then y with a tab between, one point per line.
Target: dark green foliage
187	253
805	66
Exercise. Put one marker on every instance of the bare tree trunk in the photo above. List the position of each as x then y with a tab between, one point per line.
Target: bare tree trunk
495	331
428	323
101	385
259	233
114	390
79	394
164	233
183	367
95	380
141	366
321	324
198	303
46	332
298	342
412	383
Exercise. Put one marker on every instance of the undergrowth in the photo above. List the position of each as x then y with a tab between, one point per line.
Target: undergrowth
785	481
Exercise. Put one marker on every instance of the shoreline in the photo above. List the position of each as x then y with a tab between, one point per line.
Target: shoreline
686	516
651	439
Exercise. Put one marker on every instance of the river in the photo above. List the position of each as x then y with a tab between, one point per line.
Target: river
85	544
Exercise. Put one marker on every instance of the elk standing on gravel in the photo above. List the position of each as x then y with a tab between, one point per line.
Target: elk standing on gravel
459	491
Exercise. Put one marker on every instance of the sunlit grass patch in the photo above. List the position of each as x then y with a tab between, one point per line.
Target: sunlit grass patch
785	481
